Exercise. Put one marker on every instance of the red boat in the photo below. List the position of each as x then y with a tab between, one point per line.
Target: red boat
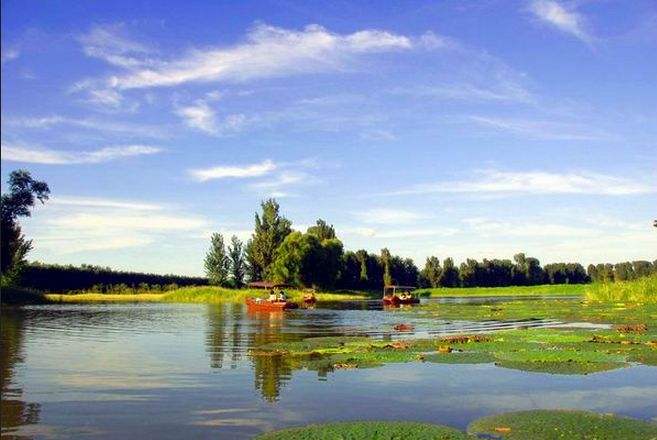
270	306
391	297
309	297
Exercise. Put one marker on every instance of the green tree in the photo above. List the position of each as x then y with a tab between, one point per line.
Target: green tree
270	230
302	260
385	261
362	257
431	272
322	230
23	192
236	262
217	263
449	276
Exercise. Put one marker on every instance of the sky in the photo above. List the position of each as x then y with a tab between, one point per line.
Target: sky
454	128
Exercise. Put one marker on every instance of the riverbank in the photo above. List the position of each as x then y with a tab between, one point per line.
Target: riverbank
199	295
545	289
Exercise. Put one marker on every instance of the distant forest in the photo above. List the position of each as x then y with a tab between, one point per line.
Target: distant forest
63	279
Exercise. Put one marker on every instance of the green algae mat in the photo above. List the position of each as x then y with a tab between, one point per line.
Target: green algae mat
525	425
549	351
367	431
561	424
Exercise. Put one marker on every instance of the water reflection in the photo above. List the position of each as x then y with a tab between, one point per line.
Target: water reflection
15	412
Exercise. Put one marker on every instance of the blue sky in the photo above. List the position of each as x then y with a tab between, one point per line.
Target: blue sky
449	128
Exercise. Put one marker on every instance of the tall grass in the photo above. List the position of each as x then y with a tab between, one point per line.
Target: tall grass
642	290
545	289
104	297
214	294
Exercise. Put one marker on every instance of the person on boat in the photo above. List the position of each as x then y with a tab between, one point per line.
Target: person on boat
403	296
282	296
272	295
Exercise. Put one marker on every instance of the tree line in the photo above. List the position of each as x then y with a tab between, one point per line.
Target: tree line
275	252
66	278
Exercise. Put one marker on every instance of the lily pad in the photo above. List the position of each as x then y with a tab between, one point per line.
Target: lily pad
380	430
562	424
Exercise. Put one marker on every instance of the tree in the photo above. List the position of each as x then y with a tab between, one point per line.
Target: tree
23	192
449	276
322	230
270	230
216	261
431	272
362	257
302	260
236	262
385	262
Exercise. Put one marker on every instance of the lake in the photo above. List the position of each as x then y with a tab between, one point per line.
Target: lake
172	371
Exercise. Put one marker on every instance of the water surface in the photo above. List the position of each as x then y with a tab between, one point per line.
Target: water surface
172	371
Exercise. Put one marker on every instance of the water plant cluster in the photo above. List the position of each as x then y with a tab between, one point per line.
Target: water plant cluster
524	425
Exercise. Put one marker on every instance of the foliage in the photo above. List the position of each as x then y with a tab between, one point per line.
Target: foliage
23	192
216	261
385	261
370	430
641	290
236	263
304	260
20	295
449	276
322	230
270	230
63	279
553	424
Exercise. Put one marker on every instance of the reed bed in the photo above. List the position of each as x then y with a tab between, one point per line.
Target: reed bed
642	290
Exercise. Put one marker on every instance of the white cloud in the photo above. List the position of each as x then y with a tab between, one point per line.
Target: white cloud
73	224
268	51
9	55
102	203
107	43
386	216
537	182
31	154
561	17
404	233
228	171
201	117
539	129
104	125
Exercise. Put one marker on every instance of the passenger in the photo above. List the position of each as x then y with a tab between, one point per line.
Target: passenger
403	296
272	295
282	296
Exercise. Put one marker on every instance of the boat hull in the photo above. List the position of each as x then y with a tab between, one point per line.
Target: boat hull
393	300
271	306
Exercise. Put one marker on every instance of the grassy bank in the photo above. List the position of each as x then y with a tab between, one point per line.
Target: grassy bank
643	290
104	297
213	294
546	289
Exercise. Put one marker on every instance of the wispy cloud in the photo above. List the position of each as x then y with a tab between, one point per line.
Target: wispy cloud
110	44
73	224
403	233
538	129
233	171
268	51
536	182
30	154
201	116
9	55
386	216
103	125
561	17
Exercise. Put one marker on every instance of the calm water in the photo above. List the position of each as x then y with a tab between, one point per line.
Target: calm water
172	371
